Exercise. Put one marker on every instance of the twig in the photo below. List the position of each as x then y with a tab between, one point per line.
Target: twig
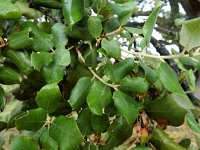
94	73
157	57
114	32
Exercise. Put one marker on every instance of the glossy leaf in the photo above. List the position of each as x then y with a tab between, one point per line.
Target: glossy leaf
79	92
49	97
161	141
118	71
166	109
66	133
94	26
73	11
22	142
190	33
126	106
192	123
134	84
20	40
62	55
84	122
112	48
33	120
21	59
41	59
9	11
99	123
99	97
53	73
149	26
9	76
42	40
47	142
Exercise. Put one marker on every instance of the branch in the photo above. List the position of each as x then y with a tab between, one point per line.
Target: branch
160	48
94	73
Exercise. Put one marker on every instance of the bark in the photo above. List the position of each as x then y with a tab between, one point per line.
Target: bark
191	7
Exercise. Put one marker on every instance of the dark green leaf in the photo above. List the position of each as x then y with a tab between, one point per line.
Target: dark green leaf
99	123
112	48
2	99
3	125
90	57
79	92
21	59
170	82
94	26
42	40
134	84
80	33
192	123
98	97
66	133
9	10
118	71
161	141
33	120
126	106
59	35
141	148
27	11
22	142
169	78
90	146
41	59
74	74
118	132
150	74
49	4
111	25
48	97
9	76
20	40
124	11
185	142
53	73
47	142
149	26
166	109
73	11
62	55
84	122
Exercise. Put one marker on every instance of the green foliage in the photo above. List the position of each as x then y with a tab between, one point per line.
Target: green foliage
67	84
189	34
